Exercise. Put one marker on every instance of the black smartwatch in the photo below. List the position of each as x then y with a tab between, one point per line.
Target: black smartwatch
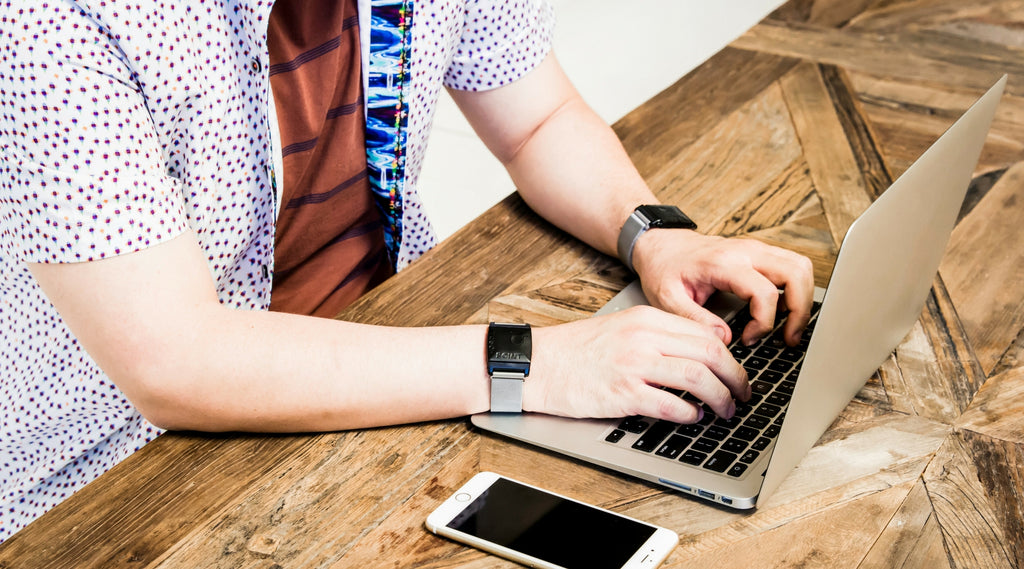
648	217
509	347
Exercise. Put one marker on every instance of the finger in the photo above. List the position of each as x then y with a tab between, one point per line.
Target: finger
678	302
658	320
763	297
794	273
695	377
661	404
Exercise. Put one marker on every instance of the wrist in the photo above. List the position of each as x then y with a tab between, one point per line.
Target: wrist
644	219
650	245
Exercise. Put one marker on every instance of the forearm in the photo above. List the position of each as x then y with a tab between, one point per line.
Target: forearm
565	160
274	372
575	173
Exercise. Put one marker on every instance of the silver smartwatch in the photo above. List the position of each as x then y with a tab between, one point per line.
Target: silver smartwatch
648	217
509	347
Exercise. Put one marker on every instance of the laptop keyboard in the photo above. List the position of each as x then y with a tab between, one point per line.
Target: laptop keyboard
729	445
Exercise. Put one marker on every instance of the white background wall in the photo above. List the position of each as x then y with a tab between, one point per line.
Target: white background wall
618	53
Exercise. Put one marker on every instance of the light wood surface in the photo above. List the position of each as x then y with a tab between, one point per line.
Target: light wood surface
785	136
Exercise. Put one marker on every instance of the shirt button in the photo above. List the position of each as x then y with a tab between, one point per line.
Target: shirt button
256	66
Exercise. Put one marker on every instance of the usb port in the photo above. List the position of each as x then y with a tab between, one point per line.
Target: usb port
726	500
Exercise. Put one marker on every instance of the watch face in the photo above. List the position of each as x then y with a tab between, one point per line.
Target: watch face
668	216
509	347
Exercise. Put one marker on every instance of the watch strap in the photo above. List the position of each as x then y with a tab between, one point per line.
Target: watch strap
507	391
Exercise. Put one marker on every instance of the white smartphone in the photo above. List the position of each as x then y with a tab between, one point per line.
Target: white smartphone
541	529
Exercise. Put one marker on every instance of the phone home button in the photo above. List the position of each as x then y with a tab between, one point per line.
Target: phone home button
462	497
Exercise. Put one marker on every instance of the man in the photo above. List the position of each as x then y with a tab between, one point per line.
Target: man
158	163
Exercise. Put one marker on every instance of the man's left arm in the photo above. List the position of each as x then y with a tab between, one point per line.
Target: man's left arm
569	166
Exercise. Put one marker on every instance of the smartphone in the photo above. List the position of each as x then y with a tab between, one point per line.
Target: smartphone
540	529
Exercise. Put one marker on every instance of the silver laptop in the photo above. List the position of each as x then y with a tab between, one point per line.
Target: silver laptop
877	290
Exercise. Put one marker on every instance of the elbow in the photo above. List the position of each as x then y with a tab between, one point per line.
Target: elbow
162	384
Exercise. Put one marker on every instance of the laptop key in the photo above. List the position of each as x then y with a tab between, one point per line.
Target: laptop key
720	461
772	431
734	445
761	443
716	432
634	425
739	352
745	434
766	352
737	470
615	436
761	387
771	376
727	423
768	410
690	430
756	422
780	399
792	354
705	445
749	456
673	446
780	365
756	363
693	457
653	437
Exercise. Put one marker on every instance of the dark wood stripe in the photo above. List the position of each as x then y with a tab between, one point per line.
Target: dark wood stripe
857	128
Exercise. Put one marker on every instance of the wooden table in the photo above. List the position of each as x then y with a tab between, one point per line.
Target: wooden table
784	136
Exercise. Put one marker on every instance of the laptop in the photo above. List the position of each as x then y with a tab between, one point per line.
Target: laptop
878	288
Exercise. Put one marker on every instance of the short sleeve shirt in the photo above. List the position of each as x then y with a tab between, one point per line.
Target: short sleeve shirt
124	124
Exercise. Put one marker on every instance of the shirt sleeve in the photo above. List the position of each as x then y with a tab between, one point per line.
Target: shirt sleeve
83	172
502	41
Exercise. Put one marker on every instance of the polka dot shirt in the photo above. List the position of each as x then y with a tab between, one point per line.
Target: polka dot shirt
125	123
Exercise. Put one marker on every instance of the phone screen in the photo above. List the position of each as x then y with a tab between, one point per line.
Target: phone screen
548	527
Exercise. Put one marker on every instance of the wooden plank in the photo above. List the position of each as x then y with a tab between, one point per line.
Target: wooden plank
970	523
336	496
913	57
406	524
834	168
998	409
909	117
781	200
984	269
150	504
724	169
933	372
987	20
858	130
675	118
830	13
837	535
911	538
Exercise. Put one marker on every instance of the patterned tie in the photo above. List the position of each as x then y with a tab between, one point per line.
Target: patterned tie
388	112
